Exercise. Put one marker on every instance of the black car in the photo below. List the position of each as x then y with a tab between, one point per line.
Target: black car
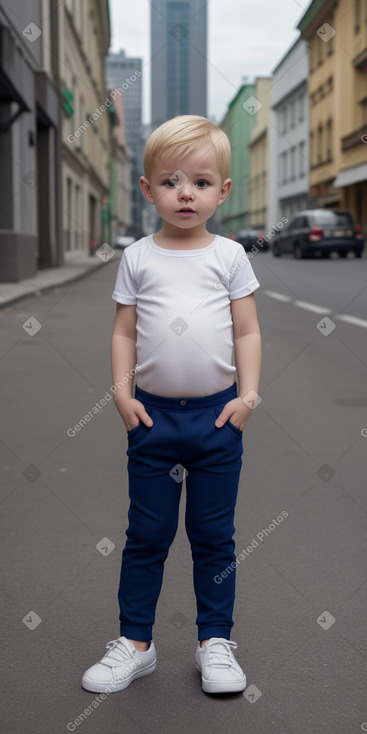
251	238
320	231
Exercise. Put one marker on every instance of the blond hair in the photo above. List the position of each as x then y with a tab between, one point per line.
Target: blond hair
183	134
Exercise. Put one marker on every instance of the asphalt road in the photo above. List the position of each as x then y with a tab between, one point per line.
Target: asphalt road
300	614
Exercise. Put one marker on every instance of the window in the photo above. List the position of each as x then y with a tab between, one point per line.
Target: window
284	120
82	121
319	144
330	43
285	167
319	48
292	114
312	48
301	158
312	148
280	168
293	164
301	107
357	16
329	142
68	213
329	218
77	216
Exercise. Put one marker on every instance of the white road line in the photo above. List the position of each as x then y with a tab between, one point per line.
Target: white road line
352	320
355	320
277	296
312	307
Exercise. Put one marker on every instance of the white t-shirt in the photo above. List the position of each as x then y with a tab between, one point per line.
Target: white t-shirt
184	325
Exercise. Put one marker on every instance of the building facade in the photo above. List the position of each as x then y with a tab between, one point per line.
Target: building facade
126	72
120	180
178	59
30	177
234	213
289	156
86	125
259	153
337	36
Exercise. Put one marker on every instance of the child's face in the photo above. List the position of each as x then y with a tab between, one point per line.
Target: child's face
186	191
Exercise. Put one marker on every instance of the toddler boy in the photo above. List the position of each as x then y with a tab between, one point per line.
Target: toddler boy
185	303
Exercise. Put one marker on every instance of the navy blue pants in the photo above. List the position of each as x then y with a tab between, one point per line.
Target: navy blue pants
182	443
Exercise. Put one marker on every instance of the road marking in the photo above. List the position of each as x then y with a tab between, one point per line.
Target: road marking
352	320
277	296
355	320
312	307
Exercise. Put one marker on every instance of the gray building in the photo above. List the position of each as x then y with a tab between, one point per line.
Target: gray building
289	158
30	177
178	58
126	72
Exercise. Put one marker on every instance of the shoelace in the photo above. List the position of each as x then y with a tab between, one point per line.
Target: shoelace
118	652
215	657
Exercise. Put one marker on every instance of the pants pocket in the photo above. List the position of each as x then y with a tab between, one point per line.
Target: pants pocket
133	431
218	409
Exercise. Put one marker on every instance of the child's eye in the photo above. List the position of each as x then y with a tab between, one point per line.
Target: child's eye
202	183
170	183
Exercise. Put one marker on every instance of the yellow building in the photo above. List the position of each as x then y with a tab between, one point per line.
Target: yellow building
258	148
86	130
337	36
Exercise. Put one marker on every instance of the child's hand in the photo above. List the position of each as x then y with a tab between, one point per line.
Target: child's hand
132	411
236	411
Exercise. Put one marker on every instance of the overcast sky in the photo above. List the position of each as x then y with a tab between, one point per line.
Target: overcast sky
245	38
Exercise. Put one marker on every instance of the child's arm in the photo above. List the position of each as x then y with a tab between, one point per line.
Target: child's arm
247	349
123	361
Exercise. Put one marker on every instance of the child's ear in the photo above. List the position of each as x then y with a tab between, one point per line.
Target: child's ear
224	192
146	190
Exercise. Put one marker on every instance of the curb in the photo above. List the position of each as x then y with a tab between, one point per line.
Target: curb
37	291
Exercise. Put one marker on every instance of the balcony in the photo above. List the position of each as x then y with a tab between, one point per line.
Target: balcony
360	61
353	139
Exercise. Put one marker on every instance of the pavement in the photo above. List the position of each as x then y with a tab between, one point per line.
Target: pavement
301	519
74	269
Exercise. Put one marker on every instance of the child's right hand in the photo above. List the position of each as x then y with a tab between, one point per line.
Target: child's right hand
132	411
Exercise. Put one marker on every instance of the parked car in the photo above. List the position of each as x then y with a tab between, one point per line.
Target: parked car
321	231
123	241
249	238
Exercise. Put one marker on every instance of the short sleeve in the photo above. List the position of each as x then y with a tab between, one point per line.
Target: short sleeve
125	287
242	281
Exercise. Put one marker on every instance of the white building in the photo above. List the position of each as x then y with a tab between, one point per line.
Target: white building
86	129
289	159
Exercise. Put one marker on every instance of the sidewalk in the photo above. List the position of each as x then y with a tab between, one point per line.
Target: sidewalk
44	280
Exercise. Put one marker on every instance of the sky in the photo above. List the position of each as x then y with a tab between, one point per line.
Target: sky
246	38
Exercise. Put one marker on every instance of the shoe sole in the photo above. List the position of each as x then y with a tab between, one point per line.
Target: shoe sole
114	688
213	687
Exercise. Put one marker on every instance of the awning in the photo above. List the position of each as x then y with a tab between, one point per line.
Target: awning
350	176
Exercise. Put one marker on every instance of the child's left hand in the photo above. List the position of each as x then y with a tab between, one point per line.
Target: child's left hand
236	411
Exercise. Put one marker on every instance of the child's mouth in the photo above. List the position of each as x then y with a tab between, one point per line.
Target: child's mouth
186	210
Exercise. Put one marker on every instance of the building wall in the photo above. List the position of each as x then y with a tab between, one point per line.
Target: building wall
121	163
289	155
178	59
234	213
126	71
338	103
258	149
30	202
85	147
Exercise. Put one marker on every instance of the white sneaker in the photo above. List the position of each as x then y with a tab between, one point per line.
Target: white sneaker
119	667
220	671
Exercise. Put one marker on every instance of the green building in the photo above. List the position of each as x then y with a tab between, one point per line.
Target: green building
237	123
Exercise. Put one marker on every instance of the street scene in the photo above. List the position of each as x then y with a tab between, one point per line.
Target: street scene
300	520
84	84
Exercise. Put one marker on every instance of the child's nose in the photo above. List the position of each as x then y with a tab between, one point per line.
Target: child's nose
186	190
